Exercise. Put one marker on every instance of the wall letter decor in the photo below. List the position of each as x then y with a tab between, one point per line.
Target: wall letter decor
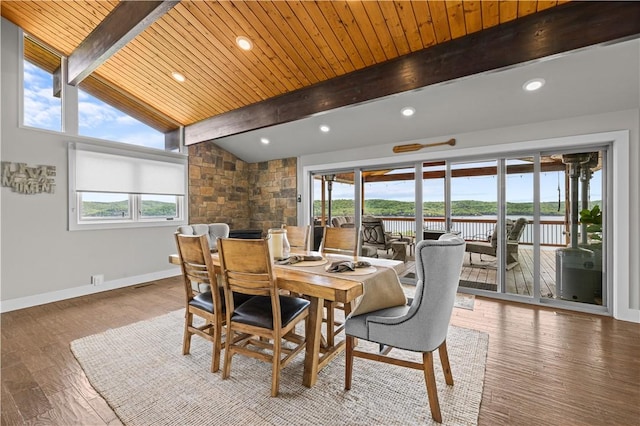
28	180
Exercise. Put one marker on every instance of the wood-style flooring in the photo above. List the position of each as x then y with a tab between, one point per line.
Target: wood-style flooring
544	366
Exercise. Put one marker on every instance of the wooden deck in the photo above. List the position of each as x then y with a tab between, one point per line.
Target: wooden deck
519	279
482	273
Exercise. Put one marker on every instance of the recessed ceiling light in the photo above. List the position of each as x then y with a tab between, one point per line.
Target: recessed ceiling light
244	43
408	111
533	85
324	128
264	141
178	77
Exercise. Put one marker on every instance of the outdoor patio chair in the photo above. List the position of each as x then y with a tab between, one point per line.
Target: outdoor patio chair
420	327
374	234
513	232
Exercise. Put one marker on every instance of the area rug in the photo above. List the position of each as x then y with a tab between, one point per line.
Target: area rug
140	371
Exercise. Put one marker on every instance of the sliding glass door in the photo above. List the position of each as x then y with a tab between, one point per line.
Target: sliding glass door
474	213
534	222
580	261
519	250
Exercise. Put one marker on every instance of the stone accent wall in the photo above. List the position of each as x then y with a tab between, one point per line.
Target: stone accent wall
224	188
273	193
218	187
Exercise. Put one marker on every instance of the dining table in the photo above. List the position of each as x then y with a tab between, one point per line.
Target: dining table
365	289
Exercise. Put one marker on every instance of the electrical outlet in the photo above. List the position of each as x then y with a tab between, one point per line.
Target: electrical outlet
97	279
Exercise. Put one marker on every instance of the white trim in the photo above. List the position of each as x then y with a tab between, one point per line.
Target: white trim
20	72
119	149
55	296
619	266
620	279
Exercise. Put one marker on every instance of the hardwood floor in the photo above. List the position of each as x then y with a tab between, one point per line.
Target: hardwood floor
544	366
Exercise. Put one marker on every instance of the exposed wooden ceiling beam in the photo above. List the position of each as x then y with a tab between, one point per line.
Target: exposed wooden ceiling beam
126	21
560	29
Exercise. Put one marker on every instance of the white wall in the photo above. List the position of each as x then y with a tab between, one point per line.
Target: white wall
626	282
40	260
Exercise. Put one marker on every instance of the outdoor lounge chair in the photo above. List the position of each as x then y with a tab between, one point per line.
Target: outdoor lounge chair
514	232
374	234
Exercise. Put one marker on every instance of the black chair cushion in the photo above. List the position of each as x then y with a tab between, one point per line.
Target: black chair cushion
257	311
203	300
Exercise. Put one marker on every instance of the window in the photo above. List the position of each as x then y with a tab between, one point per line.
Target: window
113	187
98	119
41	108
96	206
158	206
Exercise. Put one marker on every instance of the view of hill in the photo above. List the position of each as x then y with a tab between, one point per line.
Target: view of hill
436	209
346	208
149	208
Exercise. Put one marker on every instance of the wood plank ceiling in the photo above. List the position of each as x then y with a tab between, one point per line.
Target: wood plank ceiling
296	44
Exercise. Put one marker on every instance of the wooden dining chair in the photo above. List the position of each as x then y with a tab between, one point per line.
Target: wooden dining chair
338	241
197	267
298	236
268	315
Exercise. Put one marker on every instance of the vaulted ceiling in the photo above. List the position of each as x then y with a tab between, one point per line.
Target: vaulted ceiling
308	48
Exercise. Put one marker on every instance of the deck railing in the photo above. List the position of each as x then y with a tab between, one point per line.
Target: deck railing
551	232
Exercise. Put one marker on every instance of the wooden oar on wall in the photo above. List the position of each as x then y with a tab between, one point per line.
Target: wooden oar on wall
418	146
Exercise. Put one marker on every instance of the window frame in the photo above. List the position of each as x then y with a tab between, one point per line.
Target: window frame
136	220
21	92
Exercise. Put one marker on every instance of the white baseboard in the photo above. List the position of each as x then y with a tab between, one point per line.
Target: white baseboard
630	315
70	293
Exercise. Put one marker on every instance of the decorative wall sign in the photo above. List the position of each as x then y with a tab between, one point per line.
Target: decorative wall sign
28	179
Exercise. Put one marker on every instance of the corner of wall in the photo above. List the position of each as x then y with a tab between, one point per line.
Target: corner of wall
224	188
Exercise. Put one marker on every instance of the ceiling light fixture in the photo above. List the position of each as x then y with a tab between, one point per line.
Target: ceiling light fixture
324	128
533	85
178	77
408	111
264	141
244	43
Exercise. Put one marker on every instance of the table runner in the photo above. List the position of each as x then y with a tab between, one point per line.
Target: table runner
380	289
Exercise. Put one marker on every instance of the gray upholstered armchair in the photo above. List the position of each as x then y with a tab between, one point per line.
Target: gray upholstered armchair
213	231
513	232
420	327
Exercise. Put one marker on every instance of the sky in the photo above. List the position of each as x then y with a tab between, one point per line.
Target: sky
96	119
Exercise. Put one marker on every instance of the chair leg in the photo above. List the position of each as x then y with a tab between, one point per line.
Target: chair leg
432	390
228	353
217	347
348	371
444	360
186	340
275	375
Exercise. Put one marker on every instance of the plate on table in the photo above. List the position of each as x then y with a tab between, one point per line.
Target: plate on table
310	262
